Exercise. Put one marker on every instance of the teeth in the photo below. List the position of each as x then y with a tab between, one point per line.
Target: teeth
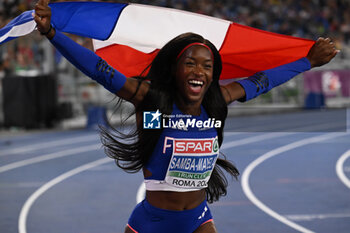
196	82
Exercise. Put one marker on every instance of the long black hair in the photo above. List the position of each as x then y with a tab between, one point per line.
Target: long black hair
132	151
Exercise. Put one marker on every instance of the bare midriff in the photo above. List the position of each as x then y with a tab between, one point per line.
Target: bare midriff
175	200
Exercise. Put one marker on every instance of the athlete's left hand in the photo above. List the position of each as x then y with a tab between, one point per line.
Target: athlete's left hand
322	52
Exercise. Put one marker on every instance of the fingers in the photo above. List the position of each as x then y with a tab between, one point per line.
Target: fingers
43	2
42	15
39	7
322	52
327	45
322	40
37	19
43	11
330	56
329	50
40	24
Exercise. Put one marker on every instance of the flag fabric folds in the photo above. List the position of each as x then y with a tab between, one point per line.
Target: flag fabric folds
128	36
20	26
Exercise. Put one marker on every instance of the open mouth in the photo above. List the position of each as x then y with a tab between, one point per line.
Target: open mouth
195	85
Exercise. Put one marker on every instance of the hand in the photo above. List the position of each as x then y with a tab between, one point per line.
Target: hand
322	52
42	16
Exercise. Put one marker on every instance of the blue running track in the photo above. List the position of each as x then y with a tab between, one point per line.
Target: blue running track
295	179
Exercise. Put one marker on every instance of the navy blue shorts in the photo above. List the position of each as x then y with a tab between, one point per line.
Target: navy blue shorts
149	219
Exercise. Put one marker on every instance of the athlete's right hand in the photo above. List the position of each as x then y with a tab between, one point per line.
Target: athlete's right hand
42	16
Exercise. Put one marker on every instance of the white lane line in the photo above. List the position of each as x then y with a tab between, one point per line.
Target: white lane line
21	185
270	135
22	222
54	155
43	145
246	174
339	168
279	128
311	217
248	140
141	193
231	133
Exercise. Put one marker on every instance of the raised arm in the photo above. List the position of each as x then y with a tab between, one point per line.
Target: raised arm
88	62
321	53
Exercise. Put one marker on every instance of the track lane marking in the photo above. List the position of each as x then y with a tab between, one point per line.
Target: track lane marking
340	171
50	156
22	222
248	170
271	135
141	193
311	217
252	139
38	146
279	128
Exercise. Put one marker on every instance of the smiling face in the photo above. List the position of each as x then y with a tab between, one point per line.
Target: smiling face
194	74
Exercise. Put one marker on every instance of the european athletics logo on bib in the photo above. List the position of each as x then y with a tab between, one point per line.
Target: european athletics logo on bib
151	120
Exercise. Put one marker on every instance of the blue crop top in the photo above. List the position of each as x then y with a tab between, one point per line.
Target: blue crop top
185	154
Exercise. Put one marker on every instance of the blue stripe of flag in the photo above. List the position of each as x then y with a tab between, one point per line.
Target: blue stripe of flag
8	39
21	19
89	19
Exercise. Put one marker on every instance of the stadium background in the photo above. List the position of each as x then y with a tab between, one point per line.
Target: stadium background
68	103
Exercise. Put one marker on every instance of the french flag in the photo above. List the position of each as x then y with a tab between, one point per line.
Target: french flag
128	36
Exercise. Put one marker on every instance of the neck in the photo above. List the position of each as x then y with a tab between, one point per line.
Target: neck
189	107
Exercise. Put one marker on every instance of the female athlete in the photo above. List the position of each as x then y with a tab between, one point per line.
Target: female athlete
181	164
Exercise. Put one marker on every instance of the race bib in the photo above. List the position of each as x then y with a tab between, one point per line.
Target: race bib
192	162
